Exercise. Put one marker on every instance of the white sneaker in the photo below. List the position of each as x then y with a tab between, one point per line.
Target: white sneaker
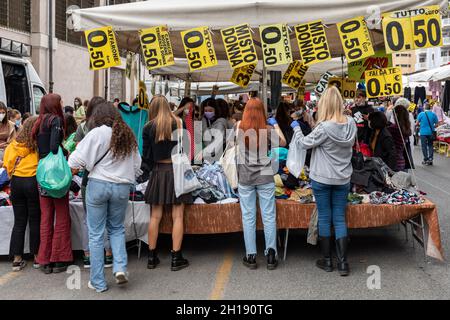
90	286
121	277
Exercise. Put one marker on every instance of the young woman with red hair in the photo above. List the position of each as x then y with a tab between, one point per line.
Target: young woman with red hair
55	250
255	176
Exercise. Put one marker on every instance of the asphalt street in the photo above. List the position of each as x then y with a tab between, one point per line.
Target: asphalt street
216	271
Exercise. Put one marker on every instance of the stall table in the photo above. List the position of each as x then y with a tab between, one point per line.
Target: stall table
226	218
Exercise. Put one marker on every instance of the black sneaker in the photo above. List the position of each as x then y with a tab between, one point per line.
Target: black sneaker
430	162
272	262
47	269
250	261
19	266
109	261
425	163
60	267
86	262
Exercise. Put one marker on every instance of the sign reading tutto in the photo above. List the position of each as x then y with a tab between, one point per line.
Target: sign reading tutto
156	47
355	39
239	46
242	76
312	42
384	82
412	29
276	46
103	50
199	48
294	74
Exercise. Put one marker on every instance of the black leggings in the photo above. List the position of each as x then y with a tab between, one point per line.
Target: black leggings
25	201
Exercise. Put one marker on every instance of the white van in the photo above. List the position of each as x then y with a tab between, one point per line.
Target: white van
20	86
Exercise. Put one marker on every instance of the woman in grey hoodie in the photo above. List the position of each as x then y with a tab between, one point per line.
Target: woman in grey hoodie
331	142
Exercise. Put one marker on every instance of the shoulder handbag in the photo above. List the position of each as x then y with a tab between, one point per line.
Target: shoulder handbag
434	133
228	161
185	180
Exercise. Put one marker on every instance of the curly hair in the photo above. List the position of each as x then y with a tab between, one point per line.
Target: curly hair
25	135
123	142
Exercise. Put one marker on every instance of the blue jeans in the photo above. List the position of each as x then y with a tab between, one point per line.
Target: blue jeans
427	147
106	204
266	195
331	204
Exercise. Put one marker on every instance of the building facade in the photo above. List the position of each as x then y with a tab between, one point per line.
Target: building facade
27	21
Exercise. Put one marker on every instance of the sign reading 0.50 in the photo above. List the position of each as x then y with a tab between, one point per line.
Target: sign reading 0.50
156	47
276	46
384	82
355	39
412	29
199	48
103	49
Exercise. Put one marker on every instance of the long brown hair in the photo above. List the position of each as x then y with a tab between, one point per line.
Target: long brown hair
50	109
254	118
402	120
123	142
25	136
162	118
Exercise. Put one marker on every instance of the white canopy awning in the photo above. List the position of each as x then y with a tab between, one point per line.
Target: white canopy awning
436	74
182	15
223	72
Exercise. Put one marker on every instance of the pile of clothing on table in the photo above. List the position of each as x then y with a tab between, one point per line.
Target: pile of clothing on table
443	131
215	187
287	186
376	183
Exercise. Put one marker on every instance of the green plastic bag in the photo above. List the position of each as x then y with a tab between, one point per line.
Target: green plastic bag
54	175
70	144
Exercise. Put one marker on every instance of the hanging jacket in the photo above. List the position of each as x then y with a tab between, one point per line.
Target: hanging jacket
136	119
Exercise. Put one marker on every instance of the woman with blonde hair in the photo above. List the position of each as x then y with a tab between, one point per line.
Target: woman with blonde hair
158	147
331	142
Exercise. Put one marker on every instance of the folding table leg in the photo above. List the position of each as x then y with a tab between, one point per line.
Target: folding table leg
422	222
286	238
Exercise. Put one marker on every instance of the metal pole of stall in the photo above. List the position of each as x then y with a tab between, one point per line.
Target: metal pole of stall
50	46
264	88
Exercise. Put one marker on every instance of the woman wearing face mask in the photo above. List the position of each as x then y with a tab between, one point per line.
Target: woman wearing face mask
7	130
214	125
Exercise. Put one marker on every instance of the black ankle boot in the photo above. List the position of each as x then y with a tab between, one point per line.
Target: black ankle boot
272	261
250	261
153	259
326	263
341	252
178	262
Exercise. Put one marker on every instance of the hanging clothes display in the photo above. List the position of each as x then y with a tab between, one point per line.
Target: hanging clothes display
136	119
435	88
407	93
419	94
446	96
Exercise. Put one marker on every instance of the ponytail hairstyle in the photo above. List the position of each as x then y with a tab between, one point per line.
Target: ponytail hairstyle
123	142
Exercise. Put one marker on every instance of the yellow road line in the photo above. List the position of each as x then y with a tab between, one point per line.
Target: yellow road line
8	277
222	277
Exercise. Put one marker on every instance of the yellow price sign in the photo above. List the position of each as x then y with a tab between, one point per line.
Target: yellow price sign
384	82
199	48
301	90
412	29
346	86
103	49
243	75
275	44
239	46
312	42
143	97
156	47
294	74
355	39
